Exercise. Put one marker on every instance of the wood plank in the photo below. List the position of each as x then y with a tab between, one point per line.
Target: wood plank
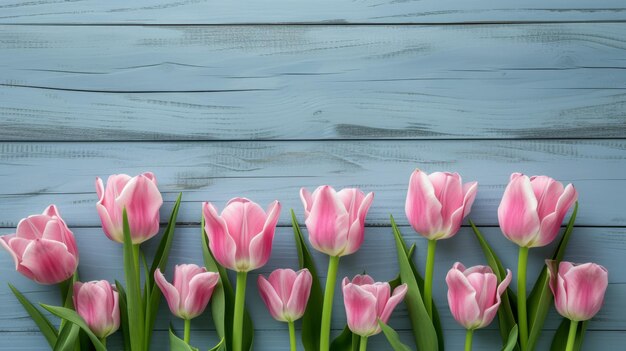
322	11
312	82
34	175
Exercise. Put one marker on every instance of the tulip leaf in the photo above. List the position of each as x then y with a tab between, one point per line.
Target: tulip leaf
540	297
423	330
47	329
393	337
312	319
73	317
160	261
506	316
219	347
511	344
123	314
560	337
134	303
68	337
346	341
178	344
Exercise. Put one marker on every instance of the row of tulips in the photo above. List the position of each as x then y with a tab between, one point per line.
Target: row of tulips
239	238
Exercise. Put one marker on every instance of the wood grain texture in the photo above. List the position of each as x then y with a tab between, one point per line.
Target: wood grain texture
322	11
312	82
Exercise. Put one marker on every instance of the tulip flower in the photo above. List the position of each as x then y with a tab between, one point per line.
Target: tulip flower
367	302
530	215
435	207
578	291
190	293
43	247
97	302
286	294
240	239
336	225
474	296
142	200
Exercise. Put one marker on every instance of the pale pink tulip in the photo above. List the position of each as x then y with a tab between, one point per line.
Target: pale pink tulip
43	247
97	302
578	289
474	294
286	293
437	203
191	291
241	237
367	301
142	200
532	209
336	220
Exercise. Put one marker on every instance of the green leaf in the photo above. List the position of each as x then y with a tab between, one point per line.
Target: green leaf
346	341
312	319
123	314
423	330
160	261
134	303
540	297
73	317
393	337
219	347
68	337
47	329
560	337
178	344
511	344
506	316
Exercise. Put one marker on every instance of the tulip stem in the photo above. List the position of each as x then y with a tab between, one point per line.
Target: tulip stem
571	337
521	297
292	336
468	339
428	279
240	301
363	343
327	308
187	330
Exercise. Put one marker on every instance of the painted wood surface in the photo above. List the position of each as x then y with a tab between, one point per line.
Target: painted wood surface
312	82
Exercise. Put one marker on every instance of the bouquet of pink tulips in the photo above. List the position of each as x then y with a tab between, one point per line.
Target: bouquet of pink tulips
239	238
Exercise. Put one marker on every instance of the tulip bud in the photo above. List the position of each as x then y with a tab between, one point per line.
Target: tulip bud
241	237
366	302
474	294
578	289
98	304
286	293
142	200
437	203
191	291
43	247
532	209
336	220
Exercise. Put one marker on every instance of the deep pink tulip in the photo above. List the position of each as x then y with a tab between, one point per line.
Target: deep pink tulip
474	294
367	301
142	200
532	209
286	293
336	220
43	247
97	302
191	291
578	289
437	203
241	237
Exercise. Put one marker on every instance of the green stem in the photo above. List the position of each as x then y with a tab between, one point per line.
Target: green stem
522	316
468	339
571	337
103	341
240	301
327	308
136	259
363	343
292	336
187	331
428	279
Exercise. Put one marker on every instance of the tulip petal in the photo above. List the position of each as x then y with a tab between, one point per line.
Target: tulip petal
328	222
142	200
222	245
462	299
261	245
585	288
449	190
49	261
547	192
271	299
422	207
551	224
307	201
32	227
16	247
398	295
469	190
283	280
360	309
57	230
490	313
200	290
362	279
517	213
183	273
296	304
357	229
169	292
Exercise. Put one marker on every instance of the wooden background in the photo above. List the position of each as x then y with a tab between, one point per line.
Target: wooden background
259	98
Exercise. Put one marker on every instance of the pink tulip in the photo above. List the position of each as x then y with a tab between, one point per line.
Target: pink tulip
366	302
474	294
437	203
336	220
532	209
286	293
241	237
191	291
142	200
97	303
578	289
43	247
